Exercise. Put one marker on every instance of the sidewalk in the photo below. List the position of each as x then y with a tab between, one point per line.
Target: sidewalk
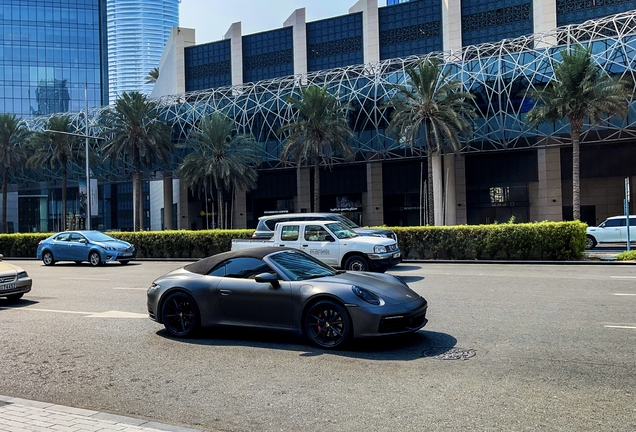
21	415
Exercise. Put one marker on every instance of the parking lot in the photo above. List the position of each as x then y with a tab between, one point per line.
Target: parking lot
507	347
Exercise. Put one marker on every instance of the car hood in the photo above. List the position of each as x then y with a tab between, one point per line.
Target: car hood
374	232
9	269
386	286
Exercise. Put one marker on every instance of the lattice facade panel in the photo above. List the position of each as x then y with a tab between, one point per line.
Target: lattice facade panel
208	66
499	74
488	20
268	55
334	42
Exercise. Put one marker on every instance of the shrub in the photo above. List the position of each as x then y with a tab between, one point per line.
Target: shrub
626	256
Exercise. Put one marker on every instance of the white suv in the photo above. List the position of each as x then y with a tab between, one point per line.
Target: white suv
612	230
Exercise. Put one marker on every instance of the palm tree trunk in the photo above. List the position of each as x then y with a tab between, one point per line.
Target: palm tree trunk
219	202
138	201
317	185
430	194
64	174
575	134
5	188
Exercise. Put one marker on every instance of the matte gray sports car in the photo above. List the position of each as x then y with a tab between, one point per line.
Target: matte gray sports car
284	288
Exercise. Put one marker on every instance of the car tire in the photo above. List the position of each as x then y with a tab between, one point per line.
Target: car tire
590	242
15	297
47	258
180	314
356	263
94	259
327	324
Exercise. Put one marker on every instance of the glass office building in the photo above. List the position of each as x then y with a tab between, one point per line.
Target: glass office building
137	33
49	52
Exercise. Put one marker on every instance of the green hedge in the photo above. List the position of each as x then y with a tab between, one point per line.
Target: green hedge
544	240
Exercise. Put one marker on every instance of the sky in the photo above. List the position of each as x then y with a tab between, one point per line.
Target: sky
212	18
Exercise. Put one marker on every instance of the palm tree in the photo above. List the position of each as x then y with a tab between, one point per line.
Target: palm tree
320	133
580	89
13	135
56	149
222	159
430	106
134	131
153	76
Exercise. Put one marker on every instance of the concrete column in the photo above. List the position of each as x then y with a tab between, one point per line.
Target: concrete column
544	18
303	199
184	220
549	203
167	200
438	189
239	211
370	29
373	198
236	52
297	20
460	190
451	25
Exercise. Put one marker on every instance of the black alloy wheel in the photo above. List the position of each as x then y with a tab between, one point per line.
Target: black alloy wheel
47	258
327	324
356	263
180	314
94	258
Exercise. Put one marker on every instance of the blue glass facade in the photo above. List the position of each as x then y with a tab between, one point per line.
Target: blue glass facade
208	66
577	11
335	42
49	52
268	55
410	28
493	20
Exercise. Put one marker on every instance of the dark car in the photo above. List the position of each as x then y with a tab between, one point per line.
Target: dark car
92	246
266	224
14	281
287	289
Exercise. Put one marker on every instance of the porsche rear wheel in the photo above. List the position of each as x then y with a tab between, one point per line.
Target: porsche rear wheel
94	258
47	258
327	324
180	314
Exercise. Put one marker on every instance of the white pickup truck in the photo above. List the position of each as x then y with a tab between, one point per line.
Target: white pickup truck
333	243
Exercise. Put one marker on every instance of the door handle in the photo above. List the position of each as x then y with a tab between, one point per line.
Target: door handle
225	292
305	245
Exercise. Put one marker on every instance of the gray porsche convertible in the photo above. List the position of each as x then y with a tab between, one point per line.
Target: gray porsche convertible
283	288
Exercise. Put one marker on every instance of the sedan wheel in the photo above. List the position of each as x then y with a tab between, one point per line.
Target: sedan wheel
356	263
94	258
590	242
327	324
180	314
47	258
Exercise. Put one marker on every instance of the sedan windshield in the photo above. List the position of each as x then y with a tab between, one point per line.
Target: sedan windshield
340	230
98	236
300	266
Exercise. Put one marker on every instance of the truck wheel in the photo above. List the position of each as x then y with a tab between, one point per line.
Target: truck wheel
356	263
590	242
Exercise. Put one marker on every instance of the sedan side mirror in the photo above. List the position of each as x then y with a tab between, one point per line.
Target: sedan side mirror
83	240
268	278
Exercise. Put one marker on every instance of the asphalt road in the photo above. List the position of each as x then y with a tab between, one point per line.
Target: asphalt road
553	348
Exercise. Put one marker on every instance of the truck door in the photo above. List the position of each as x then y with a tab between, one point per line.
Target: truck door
319	243
289	237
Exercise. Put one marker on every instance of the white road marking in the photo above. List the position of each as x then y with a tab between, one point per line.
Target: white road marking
621	327
623	277
624	294
108	314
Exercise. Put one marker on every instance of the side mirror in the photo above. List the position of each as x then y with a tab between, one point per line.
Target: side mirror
83	241
330	238
268	278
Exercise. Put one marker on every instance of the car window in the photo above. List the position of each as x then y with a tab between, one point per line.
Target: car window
289	233
75	237
632	222
341	230
315	233
271	223
298	265
63	237
610	223
241	268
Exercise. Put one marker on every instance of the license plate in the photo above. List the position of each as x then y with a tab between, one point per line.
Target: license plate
7	287
396	255
127	254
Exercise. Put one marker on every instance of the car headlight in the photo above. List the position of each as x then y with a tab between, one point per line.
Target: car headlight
379	249
153	287
367	296
23	275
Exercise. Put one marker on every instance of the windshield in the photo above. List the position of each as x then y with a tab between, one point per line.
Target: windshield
98	236
298	265
340	230
345	220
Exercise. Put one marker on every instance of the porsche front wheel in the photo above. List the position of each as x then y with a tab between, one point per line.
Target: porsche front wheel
327	324
180	314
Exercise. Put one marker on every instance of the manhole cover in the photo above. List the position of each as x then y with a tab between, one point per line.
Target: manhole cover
448	353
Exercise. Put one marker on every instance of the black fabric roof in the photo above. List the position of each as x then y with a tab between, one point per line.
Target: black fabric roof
205	265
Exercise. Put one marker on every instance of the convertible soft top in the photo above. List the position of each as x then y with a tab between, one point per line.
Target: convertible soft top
205	265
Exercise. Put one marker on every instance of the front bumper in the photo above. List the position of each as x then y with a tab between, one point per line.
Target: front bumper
393	320
21	286
120	256
384	261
